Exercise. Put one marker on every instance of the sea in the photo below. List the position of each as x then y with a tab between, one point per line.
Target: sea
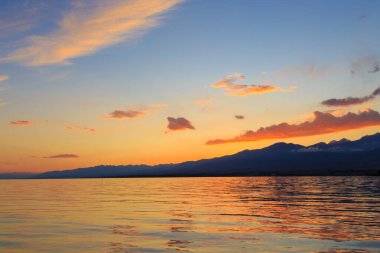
207	214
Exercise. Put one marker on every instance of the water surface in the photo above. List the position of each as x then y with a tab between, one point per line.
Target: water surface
251	214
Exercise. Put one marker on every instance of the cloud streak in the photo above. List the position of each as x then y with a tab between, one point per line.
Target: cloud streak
179	123
234	88
88	28
80	128
21	123
335	102
135	113
323	123
126	114
61	156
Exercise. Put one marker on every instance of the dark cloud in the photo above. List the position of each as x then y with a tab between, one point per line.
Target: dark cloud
376	92
347	101
179	124
323	123
21	123
135	113
127	114
62	156
239	116
351	100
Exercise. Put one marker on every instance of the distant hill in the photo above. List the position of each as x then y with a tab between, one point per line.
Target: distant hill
16	175
343	157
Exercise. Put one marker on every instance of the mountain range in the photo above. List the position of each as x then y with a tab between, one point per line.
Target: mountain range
336	158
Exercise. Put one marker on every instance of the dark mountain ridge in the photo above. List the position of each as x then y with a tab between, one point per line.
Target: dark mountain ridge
360	157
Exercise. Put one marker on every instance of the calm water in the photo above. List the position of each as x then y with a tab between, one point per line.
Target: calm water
256	214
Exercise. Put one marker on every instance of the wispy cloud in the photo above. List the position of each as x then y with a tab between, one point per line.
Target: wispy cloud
310	70
17	17
80	128
351	100
322	123
3	78
368	64
375	68
62	156
179	123
88	28
21	123
234	88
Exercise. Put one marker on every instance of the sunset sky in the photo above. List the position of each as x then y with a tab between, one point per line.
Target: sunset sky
91	82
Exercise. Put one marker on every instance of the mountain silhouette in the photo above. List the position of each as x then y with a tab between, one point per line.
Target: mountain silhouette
360	157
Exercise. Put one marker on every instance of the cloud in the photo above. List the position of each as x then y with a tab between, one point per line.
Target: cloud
239	117
3	78
62	156
135	113
80	128
376	92
323	123
204	102
255	89
18	17
367	64
375	68
179	124
90	27
351	100
233	88
230	79
127	114
310	70
21	123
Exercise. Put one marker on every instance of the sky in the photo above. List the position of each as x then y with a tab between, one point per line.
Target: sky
91	82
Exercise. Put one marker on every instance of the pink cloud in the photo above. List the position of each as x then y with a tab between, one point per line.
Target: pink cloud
231	84
323	123
90	27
